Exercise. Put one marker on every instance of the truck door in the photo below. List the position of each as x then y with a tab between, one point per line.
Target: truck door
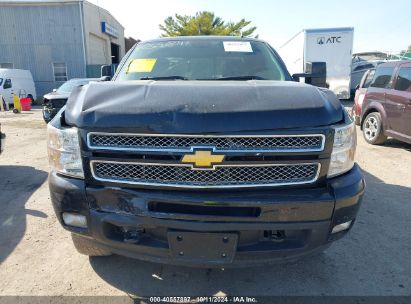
7	90
400	98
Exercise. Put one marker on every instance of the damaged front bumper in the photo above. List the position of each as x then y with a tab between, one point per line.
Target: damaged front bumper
211	228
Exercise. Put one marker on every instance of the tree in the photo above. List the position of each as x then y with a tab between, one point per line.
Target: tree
204	23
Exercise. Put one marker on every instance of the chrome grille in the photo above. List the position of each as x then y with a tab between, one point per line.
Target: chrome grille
184	143
156	174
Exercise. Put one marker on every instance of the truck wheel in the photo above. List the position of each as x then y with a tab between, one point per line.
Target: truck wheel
372	129
86	247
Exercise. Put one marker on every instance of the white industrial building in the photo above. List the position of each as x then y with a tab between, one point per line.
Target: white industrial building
58	40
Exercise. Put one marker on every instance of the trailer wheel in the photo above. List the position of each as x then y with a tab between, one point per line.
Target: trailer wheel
87	247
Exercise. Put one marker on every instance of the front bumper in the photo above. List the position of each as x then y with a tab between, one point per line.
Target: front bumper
290	223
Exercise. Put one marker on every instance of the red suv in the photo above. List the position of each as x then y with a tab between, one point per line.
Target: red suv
386	110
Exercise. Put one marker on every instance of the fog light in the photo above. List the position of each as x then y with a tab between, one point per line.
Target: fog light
75	220
341	227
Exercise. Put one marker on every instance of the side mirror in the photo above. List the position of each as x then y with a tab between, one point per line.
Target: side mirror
315	74
54	90
296	77
318	71
106	71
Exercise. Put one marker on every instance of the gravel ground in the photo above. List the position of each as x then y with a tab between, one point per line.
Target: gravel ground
38	258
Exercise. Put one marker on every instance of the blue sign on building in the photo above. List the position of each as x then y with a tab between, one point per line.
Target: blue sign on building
109	29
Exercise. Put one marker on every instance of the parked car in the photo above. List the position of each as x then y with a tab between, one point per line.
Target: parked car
360	94
19	82
2	140
54	101
387	104
204	151
358	71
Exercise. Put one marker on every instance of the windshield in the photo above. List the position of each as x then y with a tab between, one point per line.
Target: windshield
202	59
68	86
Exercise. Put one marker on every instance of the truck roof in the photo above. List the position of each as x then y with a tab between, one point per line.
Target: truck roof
186	38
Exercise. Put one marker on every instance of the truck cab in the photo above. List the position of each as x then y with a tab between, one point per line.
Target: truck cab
203	151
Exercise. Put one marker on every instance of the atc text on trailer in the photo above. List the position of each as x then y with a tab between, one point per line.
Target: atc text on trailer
332	46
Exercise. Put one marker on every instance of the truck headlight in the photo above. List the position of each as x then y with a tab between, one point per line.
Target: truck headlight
342	156
63	147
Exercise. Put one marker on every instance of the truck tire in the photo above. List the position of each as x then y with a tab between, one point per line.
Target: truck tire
373	130
86	247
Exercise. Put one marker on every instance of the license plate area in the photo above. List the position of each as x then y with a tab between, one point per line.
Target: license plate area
203	246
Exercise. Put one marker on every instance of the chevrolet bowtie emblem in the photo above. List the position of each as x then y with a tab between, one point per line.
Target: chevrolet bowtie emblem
203	159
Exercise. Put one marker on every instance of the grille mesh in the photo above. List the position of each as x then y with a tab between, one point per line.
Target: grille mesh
136	142
58	103
163	174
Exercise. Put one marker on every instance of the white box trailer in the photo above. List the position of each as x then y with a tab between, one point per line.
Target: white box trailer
330	45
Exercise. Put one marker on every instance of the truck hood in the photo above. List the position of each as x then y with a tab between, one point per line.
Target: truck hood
56	95
200	106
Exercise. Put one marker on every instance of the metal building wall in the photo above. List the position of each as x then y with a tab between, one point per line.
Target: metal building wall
98	43
34	36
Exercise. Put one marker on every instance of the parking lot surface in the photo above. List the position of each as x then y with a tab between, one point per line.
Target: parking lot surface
38	258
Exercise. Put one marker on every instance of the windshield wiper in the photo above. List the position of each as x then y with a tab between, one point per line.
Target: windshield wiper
164	78
241	78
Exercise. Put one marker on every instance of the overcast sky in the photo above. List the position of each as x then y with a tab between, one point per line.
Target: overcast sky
378	25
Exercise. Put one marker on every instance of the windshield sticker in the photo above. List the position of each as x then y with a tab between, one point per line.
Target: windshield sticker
145	65
238	46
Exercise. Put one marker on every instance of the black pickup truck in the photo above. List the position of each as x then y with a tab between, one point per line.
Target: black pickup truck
204	151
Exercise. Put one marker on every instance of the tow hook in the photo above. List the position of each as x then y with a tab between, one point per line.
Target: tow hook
275	235
133	236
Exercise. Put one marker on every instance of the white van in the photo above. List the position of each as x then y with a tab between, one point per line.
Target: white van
19	82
